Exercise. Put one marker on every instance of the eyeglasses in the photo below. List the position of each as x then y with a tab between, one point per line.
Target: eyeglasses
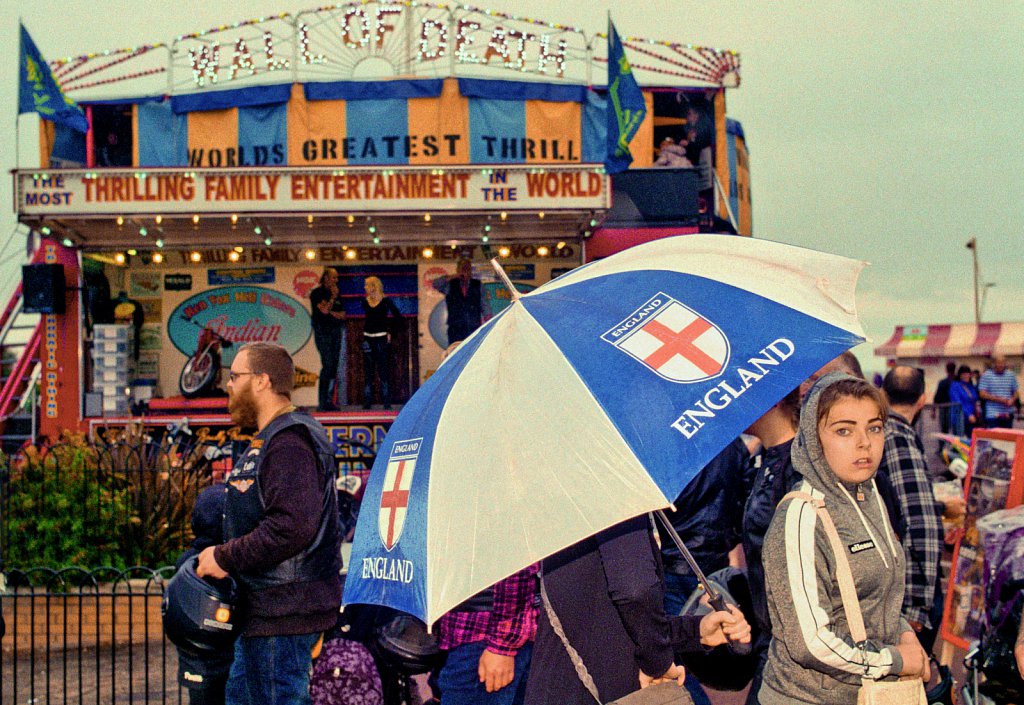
233	376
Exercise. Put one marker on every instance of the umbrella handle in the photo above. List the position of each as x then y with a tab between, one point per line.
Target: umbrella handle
715	598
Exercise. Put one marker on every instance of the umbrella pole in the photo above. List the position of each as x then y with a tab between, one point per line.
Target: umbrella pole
504	277
715	598
713	595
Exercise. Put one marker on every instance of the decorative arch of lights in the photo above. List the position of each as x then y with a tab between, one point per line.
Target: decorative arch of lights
369	41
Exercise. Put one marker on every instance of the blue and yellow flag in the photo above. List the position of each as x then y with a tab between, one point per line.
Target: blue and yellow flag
38	92
626	106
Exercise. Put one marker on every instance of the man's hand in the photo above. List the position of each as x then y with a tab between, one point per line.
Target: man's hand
496	671
717	628
674	673
208	565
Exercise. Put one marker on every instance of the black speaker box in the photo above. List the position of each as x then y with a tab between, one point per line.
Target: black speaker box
42	288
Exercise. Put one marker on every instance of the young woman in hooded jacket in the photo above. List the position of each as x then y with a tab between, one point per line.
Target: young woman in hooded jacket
812	657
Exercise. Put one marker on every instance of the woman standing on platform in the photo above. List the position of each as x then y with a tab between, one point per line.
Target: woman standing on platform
379	311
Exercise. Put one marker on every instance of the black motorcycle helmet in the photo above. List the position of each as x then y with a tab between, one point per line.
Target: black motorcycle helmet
200	615
402	643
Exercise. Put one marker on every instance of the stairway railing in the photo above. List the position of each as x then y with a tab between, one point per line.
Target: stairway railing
15	384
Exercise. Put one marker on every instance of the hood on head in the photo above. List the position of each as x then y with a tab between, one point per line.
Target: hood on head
208	515
808	456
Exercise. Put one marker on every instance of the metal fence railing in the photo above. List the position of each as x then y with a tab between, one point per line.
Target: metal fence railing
85	636
94	635
120	504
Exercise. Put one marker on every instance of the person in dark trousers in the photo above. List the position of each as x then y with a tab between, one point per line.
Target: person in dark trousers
607	597
204	676
964	393
903	463
328	313
489	639
942	398
380	311
999	392
464	302
707	518
281	531
774	477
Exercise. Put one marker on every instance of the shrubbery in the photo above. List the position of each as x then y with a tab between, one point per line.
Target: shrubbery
80	504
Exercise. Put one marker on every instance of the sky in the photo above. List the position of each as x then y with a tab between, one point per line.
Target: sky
885	131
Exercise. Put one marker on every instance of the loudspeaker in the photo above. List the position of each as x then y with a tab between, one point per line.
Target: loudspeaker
42	288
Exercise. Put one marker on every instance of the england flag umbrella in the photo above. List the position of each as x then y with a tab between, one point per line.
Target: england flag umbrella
592	399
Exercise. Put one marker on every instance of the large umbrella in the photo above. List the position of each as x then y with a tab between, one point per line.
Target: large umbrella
595	398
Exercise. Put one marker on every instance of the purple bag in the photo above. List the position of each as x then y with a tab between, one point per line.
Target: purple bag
345	674
1002	539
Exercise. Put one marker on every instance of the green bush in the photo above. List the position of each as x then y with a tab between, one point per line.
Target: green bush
76	505
58	513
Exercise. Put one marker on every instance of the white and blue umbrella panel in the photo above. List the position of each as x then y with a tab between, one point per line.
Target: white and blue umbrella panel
593	399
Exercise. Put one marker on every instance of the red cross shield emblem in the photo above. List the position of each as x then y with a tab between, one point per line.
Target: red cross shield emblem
673	340
394	500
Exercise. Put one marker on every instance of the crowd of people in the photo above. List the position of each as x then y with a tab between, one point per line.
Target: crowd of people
827	493
970	399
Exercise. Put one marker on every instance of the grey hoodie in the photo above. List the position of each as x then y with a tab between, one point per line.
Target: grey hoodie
812	657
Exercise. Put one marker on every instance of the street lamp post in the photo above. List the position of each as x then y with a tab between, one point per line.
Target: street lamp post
972	245
984	295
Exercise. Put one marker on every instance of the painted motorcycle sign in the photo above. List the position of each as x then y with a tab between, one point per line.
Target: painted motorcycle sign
240	314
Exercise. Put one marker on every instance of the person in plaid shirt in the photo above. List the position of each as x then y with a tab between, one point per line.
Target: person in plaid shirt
489	639
903	462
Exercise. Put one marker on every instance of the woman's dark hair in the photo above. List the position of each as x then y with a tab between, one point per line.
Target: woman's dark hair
790	404
851	387
963	368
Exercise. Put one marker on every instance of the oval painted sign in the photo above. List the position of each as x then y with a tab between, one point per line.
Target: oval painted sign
242	314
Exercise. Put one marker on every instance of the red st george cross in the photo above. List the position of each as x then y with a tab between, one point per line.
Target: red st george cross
393	500
681	343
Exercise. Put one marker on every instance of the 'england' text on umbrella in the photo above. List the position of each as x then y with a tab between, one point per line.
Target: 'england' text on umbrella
383	568
722	394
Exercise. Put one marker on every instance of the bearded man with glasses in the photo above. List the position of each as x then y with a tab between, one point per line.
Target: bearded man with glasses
281	531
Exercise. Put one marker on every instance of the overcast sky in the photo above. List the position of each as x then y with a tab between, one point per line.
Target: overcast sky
886	131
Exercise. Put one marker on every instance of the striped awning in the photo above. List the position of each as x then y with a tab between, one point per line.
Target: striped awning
954	340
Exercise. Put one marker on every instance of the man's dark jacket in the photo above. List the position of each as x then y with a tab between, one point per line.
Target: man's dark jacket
709	513
281	529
